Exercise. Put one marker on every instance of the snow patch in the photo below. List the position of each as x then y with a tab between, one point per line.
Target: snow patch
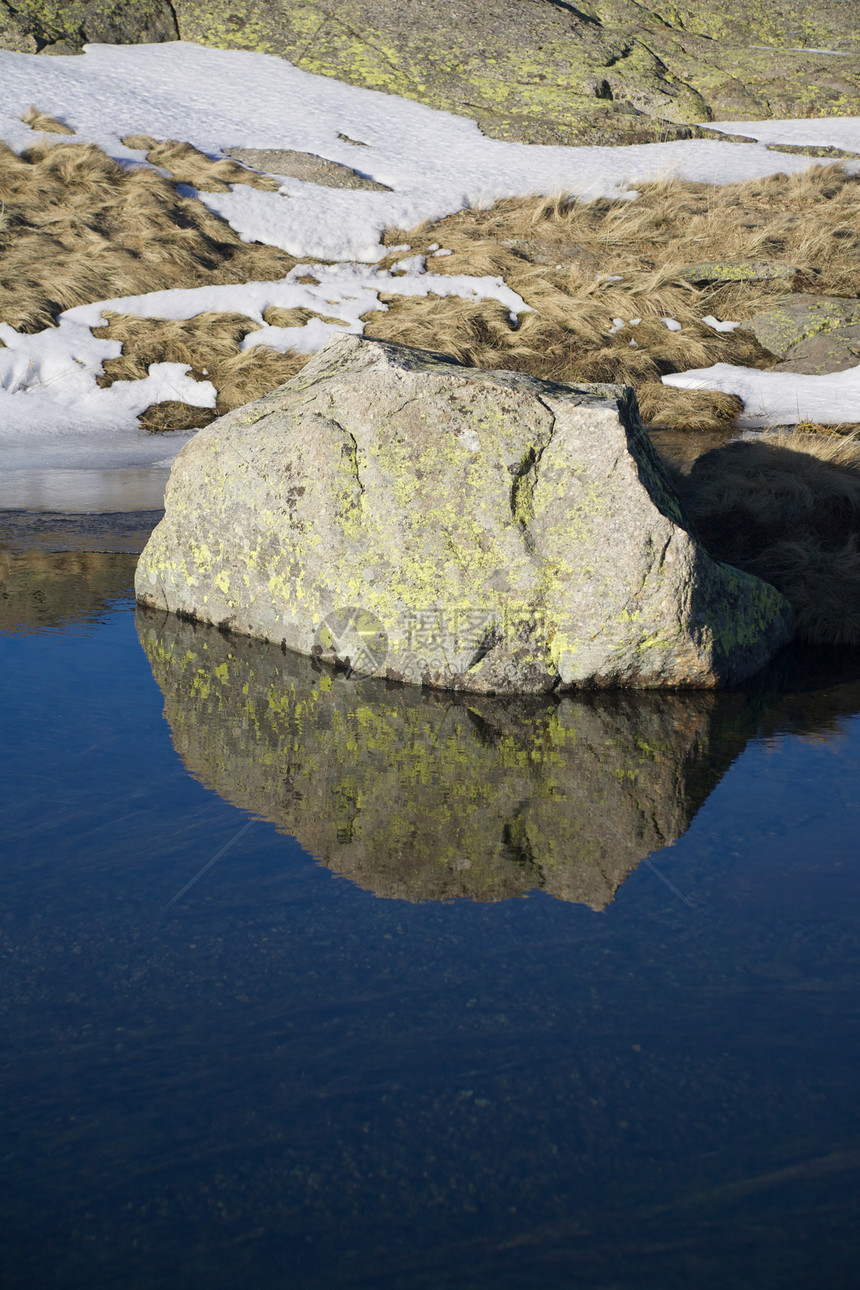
779	398
717	325
53	413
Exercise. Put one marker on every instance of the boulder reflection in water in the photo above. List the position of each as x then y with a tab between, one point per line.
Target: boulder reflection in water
425	795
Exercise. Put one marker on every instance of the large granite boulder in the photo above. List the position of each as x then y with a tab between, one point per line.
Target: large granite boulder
408	517
417	795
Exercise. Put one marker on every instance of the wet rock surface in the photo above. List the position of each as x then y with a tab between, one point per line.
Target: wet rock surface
407	517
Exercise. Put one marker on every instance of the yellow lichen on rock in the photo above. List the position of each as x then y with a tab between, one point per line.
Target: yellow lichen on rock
450	527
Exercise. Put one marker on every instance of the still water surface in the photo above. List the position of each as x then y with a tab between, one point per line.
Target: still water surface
313	983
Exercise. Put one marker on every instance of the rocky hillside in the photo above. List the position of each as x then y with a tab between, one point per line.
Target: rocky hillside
541	71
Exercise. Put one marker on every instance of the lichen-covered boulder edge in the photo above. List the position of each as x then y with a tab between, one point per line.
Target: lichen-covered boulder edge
65	26
539	71
406	516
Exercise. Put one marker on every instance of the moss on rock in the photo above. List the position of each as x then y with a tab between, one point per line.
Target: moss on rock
505	534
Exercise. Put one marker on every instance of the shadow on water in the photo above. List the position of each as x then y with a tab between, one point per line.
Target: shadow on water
422	795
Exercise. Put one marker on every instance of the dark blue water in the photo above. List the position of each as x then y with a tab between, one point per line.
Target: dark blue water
286	1076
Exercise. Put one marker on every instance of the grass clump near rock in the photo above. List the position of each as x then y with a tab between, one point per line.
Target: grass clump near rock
787	508
76	228
188	165
210	344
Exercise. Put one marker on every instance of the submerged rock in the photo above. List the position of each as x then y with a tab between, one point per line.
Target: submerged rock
412	518
41	589
422	796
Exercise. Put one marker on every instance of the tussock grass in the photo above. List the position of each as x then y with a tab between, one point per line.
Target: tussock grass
76	227
209	344
41	121
845	428
691	410
188	165
276	316
787	508
173	414
204	342
561	256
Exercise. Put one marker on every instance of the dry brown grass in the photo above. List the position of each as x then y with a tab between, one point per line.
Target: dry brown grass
209	344
188	165
172	414
787	508
205	342
843	428
674	409
77	227
276	316
41	121
560	255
